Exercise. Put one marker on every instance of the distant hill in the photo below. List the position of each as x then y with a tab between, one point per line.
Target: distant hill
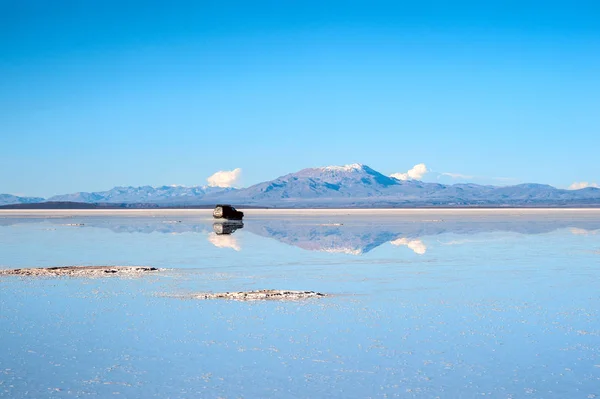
7	199
349	186
73	205
144	194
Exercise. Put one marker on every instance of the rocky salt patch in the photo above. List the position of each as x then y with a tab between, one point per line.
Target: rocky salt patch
259	295
81	271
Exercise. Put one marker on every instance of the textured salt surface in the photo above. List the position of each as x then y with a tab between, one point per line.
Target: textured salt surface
80	271
260	295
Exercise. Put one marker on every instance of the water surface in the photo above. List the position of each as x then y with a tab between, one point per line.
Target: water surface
424	304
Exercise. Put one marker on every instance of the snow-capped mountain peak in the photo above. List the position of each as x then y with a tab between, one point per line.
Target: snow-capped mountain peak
336	173
344	168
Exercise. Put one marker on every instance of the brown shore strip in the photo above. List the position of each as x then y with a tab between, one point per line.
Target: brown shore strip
260	295
80	271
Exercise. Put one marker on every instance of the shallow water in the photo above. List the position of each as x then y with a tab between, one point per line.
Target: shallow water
424	304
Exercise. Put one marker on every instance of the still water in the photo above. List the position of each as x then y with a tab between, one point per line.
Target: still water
423	304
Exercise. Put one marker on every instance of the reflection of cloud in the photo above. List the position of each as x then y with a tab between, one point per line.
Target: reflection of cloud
458	242
224	178
417	246
416	173
224	241
578	185
582	232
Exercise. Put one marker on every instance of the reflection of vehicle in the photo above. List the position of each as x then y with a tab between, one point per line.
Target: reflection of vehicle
227	212
226	228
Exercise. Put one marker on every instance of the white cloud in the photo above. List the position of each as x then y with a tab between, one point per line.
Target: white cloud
417	246
224	178
416	173
224	241
505	179
457	175
474	178
582	184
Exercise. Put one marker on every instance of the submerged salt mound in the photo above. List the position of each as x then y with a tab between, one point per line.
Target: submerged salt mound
80	271
261	295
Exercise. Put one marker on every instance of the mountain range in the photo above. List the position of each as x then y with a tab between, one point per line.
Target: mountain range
354	185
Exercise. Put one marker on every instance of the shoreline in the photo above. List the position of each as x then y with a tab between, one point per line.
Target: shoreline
303	211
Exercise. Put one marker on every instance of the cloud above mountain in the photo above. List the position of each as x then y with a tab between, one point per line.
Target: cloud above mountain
224	178
582	184
453	177
456	175
416	173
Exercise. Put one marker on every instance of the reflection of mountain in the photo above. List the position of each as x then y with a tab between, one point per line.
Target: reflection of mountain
349	239
349	234
359	237
141	225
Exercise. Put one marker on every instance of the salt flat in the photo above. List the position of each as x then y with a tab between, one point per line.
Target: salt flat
419	303
275	212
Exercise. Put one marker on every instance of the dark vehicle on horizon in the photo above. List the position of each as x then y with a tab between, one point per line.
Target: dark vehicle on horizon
223	211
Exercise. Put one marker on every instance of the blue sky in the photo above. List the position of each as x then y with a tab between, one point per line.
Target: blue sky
102	93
